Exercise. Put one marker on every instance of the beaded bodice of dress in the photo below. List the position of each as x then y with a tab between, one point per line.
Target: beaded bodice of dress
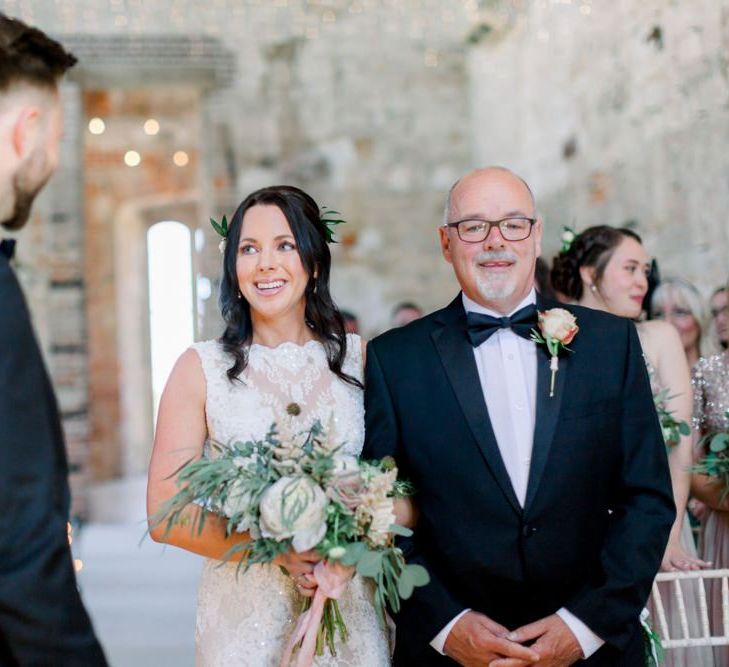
289	383
711	393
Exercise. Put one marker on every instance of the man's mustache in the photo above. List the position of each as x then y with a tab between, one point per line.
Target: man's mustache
494	256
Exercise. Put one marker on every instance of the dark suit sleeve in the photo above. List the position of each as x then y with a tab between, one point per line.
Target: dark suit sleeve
642	514
431	607
42	619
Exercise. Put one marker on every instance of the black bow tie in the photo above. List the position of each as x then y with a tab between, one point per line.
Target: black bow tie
481	327
7	248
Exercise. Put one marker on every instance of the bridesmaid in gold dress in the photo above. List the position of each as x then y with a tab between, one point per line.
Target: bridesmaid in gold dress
711	402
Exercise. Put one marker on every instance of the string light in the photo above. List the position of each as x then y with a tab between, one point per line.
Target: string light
181	159
97	126
151	127
132	159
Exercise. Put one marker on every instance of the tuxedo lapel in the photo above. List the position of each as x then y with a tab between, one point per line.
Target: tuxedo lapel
456	353
547	413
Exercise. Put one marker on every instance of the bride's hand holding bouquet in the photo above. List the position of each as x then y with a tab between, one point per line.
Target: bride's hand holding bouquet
317	512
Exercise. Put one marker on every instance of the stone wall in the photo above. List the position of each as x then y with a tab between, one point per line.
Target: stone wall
615	112
362	103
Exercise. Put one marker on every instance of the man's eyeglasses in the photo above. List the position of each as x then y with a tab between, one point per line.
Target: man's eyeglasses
477	231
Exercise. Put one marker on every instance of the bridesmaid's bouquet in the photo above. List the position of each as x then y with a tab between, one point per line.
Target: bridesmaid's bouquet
300	491
671	427
715	462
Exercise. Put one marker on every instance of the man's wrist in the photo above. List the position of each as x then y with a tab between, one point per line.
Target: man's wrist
589	642
438	642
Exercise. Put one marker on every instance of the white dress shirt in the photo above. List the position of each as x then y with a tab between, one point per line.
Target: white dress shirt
507	369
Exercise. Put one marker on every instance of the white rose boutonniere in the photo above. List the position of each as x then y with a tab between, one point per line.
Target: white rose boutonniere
557	329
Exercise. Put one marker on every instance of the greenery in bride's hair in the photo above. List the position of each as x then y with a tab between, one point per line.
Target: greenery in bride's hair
671	427
300	490
715	462
220	227
330	219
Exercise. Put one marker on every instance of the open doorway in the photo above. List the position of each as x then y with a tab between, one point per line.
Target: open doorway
171	304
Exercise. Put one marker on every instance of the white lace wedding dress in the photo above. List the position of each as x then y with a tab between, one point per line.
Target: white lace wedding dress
245	620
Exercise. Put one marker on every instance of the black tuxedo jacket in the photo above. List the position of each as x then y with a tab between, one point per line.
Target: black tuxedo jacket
598	509
42	618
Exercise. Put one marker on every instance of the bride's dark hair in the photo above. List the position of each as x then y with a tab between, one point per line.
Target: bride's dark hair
593	247
325	320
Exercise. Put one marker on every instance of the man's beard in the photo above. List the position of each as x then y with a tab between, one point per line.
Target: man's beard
28	181
492	286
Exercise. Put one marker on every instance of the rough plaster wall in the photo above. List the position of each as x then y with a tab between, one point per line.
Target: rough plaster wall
364	104
637	91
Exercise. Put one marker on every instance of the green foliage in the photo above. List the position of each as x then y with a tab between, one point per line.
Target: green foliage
672	428
715	463
394	579
654	651
329	219
221	227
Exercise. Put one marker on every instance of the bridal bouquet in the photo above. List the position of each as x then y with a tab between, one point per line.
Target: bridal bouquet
716	461
300	491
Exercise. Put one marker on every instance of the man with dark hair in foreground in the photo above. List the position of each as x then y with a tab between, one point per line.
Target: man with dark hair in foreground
42	618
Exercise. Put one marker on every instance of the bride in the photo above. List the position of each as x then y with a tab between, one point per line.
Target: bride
284	357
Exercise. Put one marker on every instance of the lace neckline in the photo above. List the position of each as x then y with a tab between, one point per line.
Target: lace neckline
286	345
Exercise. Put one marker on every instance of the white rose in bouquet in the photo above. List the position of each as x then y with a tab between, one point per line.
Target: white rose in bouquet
238	500
294	507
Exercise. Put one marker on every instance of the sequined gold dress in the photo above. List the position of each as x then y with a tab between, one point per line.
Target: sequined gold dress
711	401
245	621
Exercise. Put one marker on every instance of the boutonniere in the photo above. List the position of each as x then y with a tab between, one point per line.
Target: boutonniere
557	329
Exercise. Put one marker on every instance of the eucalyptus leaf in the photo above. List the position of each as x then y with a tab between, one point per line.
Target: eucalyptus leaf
419	574
719	442
370	564
355	551
401	530
405	584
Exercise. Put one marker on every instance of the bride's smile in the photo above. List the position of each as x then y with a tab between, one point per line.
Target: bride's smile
271	276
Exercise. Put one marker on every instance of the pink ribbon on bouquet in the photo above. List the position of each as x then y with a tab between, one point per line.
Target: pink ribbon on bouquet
331	580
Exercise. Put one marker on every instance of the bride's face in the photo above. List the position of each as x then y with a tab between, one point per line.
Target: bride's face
270	274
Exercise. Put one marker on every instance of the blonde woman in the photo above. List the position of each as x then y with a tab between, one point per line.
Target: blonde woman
679	303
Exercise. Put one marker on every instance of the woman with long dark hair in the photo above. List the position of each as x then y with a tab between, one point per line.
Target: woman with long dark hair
607	268
283	358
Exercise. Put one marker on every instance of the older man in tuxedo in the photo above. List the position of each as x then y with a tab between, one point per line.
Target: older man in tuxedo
42	618
544	511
